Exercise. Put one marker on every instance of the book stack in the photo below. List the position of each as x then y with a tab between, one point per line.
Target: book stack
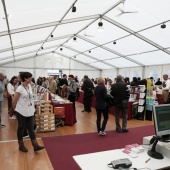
45	118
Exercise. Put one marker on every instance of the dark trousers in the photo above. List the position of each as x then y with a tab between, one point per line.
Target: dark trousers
72	99
87	103
98	121
25	123
117	117
9	102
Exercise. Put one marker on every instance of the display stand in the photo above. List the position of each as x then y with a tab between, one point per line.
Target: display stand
45	118
141	103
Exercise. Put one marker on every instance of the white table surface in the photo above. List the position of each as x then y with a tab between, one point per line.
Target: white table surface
100	160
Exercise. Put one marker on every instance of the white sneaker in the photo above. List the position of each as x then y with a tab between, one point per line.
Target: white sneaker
100	133
103	134
25	136
12	117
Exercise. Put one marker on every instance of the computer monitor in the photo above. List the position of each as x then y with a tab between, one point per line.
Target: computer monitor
162	119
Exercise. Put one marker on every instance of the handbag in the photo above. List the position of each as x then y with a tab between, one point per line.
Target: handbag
6	94
109	100
124	104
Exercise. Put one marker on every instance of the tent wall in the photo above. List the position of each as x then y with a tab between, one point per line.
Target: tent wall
49	62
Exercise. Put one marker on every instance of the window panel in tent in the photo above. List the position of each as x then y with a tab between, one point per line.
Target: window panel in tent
90	7
159	35
135	21
80	46
6	54
67	52
54	43
110	32
130	45
100	65
102	54
152	58
31	36
121	62
27	49
3	26
84	59
70	28
4	42
29	13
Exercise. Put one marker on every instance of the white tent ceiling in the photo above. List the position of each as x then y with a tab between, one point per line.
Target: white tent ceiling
27	26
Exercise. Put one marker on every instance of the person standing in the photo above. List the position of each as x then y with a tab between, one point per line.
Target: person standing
121	95
23	105
72	89
165	89
2	87
88	89
100	105
52	85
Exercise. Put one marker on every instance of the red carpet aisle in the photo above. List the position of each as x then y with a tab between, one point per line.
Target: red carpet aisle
61	148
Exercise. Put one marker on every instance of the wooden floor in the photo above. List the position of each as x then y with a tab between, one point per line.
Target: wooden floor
12	159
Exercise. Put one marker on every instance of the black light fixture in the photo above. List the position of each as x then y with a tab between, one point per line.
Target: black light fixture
75	56
51	35
163	26
114	42
36	54
41	47
74	40
100	24
89	51
61	49
73	9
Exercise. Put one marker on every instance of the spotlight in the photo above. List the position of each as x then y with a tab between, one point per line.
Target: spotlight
73	9
89	51
61	49
51	35
100	28
41	47
163	26
74	56
114	42
74	41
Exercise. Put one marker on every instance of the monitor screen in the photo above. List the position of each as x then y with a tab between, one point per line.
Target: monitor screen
162	119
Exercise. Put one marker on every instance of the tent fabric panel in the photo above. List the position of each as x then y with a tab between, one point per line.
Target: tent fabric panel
121	62
130	45
28	13
110	32
152	58
25	56
100	65
5	54
137	21
87	7
3	26
70	28
84	59
4	42
31	36
102	54
6	60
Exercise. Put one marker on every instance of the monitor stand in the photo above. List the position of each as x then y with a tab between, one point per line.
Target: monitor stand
152	153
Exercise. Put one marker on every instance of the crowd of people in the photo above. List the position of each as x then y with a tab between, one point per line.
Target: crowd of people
21	106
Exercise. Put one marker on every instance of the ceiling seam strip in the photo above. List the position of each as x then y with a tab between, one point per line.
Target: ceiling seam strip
57	25
35	43
108	49
40	26
137	35
7	22
89	56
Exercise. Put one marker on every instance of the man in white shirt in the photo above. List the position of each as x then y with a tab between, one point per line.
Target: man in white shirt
165	88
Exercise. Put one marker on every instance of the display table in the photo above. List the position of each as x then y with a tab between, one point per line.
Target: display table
70	116
100	160
129	111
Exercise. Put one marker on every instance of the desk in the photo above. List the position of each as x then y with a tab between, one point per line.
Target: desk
99	160
70	117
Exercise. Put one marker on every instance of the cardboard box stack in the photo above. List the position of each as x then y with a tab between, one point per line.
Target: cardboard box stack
45	118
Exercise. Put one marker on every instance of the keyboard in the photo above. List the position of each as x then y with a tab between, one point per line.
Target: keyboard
167	145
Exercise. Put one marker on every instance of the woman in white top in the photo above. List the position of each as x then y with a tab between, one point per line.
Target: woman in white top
23	105
11	90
